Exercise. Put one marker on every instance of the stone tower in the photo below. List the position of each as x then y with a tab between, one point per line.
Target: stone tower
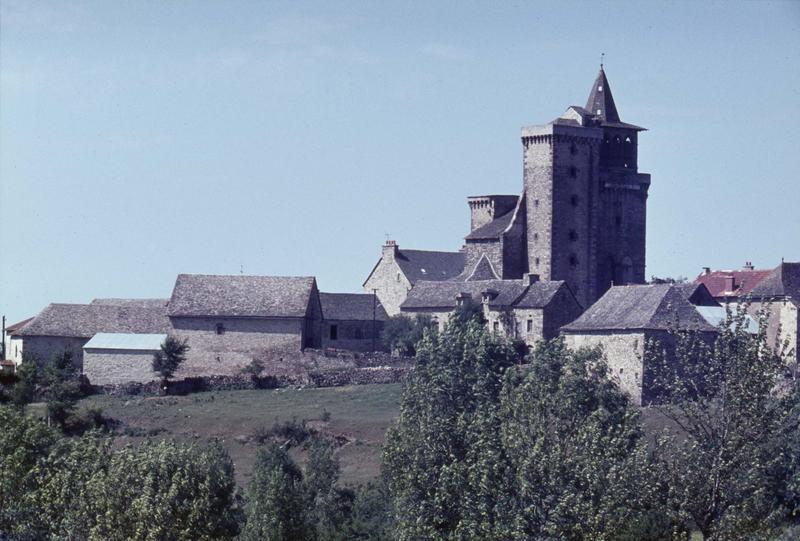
585	199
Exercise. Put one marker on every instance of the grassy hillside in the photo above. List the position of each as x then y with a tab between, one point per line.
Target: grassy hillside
357	416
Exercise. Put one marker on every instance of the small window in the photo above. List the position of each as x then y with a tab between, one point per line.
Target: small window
398	276
600	88
618	220
536	261
530	325
496	326
535	202
620	370
334	332
599	111
573	149
573	200
220	328
535	237
573	260
573	235
573	172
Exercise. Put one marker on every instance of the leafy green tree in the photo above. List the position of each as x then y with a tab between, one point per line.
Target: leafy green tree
167	360
277	505
165	490
401	333
332	504
23	441
427	456
23	391
731	456
469	310
371	517
62	387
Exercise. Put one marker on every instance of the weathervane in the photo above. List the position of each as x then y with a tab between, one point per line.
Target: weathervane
602	57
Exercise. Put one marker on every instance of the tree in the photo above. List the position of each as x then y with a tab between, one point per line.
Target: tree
731	455
62	388
167	360
24	389
165	490
277	506
332	505
401	333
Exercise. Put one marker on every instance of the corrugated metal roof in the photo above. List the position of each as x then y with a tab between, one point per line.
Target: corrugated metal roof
716	315
145	342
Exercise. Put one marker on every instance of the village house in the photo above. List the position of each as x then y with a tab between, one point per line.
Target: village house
12	345
352	321
627	318
68	327
527	310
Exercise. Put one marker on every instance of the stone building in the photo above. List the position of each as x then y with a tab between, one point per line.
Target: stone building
69	327
12	343
114	358
580	218
398	270
527	309
230	320
626	318
352	321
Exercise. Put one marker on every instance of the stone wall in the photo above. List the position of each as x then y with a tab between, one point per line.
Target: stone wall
388	279
782	324
42	348
352	335
110	367
492	248
624	355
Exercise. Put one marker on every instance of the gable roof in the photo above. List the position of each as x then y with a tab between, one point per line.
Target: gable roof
493	229
483	270
644	307
14	328
782	281
509	293
85	320
351	306
744	281
198	295
144	303
427	265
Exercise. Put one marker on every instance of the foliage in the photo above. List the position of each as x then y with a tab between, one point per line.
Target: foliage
62	387
467	311
24	389
23	441
167	360
332	505
371	517
731	460
276	500
668	280
401	333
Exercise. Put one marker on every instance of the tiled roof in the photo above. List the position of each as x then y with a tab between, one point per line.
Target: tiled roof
85	320
743	281
144	303
493	229
442	295
640	307
351	306
198	295
434	266
782	281
13	329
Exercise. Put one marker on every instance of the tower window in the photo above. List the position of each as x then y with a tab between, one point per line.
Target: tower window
618	220
535	237
599	111
398	276
573	172
535	202
573	235
334	332
573	149
573	200
536	261
220	328
573	260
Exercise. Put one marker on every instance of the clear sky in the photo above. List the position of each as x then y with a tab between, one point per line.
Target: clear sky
139	140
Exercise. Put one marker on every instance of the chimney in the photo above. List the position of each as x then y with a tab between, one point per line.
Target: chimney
729	283
462	298
530	279
390	249
706	270
748	265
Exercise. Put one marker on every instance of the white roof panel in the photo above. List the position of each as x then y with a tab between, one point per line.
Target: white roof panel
145	342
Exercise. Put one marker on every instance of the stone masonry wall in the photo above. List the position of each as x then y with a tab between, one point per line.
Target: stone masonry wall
493	249
42	348
347	333
391	284
624	354
110	367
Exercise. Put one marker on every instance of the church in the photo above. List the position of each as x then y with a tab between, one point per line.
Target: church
579	219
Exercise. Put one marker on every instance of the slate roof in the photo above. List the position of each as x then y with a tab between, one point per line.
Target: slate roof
743	281
601	99
198	295
783	281
85	320
483	270
144	303
13	329
433	266
644	307
493	229
351	307
442	295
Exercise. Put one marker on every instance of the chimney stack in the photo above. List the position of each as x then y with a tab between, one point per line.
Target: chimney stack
706	270
748	265
729	283
390	249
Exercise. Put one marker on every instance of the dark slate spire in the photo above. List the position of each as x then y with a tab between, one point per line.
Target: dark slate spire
601	102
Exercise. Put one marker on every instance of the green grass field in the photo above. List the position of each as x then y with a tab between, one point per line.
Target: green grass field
359	418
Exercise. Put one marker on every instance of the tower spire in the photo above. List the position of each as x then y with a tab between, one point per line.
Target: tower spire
601	101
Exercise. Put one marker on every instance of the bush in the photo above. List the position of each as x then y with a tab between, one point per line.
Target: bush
401	333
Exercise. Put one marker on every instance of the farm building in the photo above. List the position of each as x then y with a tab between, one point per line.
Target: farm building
111	358
352	321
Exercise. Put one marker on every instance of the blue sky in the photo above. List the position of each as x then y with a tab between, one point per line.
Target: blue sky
139	140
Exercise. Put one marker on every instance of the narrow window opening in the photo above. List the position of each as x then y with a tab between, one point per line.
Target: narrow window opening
496	326
573	172
573	149
530	325
334	332
573	200
573	260
618	220
620	370
536	261
220	328
535	202
573	235
535	237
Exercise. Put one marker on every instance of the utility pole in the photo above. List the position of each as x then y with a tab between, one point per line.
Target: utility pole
3	344
374	306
